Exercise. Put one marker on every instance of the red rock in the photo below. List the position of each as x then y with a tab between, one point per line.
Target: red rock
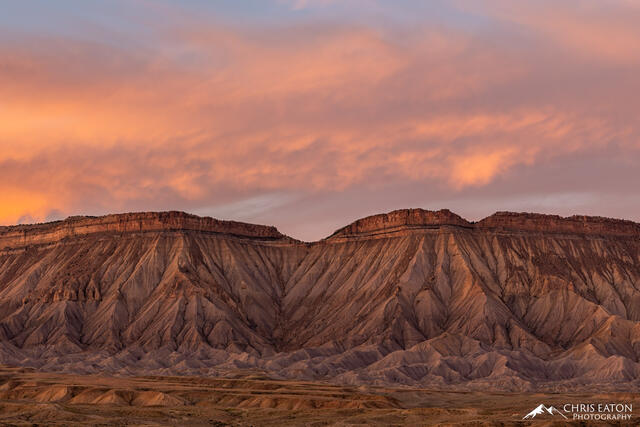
400	220
577	224
415	297
23	235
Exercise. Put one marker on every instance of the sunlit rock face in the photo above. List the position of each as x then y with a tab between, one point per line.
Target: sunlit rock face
22	235
512	302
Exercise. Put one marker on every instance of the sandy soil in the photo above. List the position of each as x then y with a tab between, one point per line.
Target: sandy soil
30	398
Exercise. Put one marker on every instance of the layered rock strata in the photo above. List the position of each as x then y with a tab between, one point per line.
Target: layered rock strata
515	301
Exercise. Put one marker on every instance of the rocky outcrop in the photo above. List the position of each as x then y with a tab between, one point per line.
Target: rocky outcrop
411	219
24	235
399	220
20	236
513	302
577	224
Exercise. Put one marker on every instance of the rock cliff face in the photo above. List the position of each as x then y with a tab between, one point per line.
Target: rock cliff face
515	301
399	220
556	224
23	235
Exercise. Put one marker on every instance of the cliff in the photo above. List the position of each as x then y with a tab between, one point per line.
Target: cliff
410	219
513	302
36	234
399	220
577	224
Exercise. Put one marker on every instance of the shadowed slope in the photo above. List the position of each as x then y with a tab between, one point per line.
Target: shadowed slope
516	301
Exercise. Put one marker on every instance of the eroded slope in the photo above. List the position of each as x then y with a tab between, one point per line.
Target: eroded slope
516	301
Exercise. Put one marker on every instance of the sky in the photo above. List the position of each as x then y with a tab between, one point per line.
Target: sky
309	114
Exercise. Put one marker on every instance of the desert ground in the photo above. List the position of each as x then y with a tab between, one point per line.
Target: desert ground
408	318
32	398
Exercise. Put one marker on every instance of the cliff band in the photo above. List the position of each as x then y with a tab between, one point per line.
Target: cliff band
415	297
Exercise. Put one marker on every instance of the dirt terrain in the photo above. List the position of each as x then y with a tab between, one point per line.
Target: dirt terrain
30	398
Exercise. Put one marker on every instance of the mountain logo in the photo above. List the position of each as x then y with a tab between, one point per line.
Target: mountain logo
541	410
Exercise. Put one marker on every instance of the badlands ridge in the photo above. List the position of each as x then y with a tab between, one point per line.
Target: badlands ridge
412	297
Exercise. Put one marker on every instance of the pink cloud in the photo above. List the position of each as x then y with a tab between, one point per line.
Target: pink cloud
219	114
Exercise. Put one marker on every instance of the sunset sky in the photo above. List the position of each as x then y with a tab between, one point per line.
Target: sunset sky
309	114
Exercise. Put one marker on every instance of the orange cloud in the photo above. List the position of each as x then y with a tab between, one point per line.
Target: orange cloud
214	115
20	206
602	31
480	168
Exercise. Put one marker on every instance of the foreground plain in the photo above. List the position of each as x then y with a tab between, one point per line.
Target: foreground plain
32	398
